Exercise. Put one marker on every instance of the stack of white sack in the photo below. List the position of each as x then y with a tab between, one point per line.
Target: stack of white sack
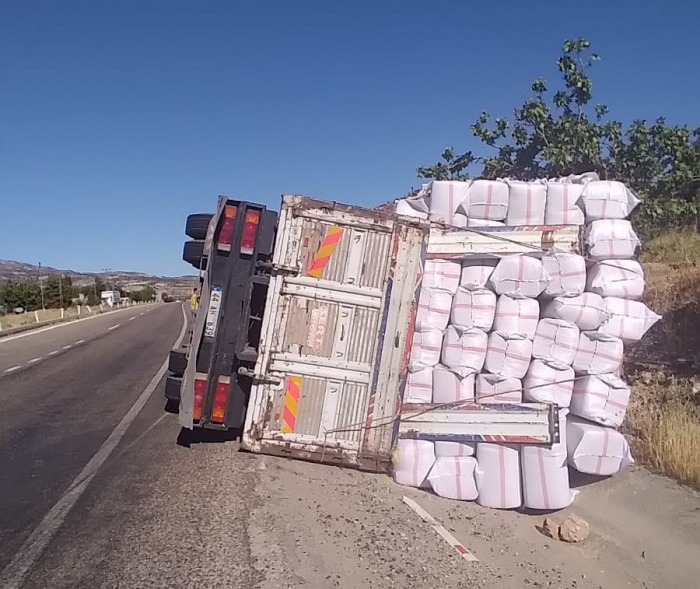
549	381
492	388
425	351
442	275
616	278
473	308
498	476
567	273
464	350
587	311
453	477
517	314
594	449
610	239
450	387
419	386
556	339
605	199
476	272
412	461
444	197
450	449
486	199
602	398
434	307
628	320
545	473
508	354
519	274
526	203
562	203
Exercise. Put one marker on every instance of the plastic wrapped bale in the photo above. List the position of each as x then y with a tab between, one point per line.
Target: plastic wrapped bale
556	339
629	320
464	350
449	387
567	273
508	354
477	271
601	398
526	203
419	386
616	278
450	449
484	223
607	199
517	314
441	275
595	449
425	351
445	197
609	239
412	462
404	207
545	473
491	388
434	307
549	381
598	353
498	476
453	478
561	207
473	308
519	274
587	311
486	199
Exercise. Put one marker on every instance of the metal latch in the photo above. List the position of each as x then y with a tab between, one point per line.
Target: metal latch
279	268
259	378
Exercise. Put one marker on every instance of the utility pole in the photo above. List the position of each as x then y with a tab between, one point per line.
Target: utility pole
41	287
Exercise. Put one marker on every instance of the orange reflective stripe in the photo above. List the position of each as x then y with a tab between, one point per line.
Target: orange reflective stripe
291	404
324	253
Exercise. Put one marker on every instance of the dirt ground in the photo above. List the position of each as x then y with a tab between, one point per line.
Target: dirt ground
319	526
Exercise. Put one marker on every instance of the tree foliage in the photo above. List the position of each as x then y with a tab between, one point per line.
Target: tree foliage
564	131
20	294
147	293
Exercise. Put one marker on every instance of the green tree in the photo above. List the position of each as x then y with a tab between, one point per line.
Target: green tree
147	293
20	294
561	132
58	291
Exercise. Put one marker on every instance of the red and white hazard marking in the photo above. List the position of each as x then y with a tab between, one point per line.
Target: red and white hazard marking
442	532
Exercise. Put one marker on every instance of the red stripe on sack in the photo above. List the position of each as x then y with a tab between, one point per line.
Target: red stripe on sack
458	471
543	478
606	438
502	467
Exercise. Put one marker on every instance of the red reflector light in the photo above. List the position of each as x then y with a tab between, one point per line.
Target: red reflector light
218	408
200	390
227	227
250	231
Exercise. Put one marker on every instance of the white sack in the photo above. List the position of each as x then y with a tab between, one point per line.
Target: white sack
605	199
441	275
594	449
434	308
498	476
404	207
545	473
526	203
445	197
598	353
449	387
567	273
473	308
419	386
486	199
520	274
412	462
453	478
629	320
561	207
610	239
587	311
517	314
464	350
452	449
548	381
477	271
601	398
491	388
508	354
616	278
556	339
425	351
484	223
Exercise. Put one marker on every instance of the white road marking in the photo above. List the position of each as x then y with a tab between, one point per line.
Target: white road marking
113	327
80	341
14	573
140	314
132	318
52	353
13	369
441	531
68	347
34	360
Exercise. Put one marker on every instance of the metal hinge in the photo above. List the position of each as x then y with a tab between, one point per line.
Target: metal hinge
279	268
259	378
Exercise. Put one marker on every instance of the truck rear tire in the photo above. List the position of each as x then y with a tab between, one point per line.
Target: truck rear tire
177	362
197	225
193	253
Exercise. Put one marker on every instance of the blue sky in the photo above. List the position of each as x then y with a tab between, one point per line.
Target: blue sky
117	119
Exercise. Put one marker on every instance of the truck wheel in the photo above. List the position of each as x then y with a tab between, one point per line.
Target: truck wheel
177	362
197	225
193	253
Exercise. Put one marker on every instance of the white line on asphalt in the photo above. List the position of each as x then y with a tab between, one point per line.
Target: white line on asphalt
53	353
80	341
132	318
68	347
34	360
13	369
113	327
14	573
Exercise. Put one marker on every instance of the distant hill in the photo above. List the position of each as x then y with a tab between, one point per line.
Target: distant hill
23	272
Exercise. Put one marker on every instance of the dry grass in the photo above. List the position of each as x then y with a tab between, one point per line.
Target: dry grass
11	321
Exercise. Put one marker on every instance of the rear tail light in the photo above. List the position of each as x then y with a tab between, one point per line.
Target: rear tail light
227	227
250	231
218	408
200	391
